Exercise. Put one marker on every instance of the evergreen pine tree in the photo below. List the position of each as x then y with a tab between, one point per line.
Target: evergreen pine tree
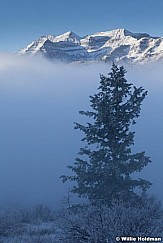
103	170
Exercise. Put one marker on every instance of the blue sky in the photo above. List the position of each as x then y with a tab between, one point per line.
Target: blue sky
22	21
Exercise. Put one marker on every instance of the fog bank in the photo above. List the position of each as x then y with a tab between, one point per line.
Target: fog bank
39	101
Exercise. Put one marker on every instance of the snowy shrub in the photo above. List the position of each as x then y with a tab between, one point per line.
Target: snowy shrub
102	224
82	223
42	213
10	223
37	225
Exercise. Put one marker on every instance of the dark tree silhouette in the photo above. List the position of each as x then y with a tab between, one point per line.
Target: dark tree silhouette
103	170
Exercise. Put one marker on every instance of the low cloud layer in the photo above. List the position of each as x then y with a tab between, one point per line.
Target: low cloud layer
39	101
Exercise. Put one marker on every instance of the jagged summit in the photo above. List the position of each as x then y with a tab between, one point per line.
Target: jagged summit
68	36
120	33
114	32
118	45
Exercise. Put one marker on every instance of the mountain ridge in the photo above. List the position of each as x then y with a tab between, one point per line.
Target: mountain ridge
118	45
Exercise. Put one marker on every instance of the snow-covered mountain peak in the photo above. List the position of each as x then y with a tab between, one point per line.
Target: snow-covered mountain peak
118	45
35	46
68	36
121	33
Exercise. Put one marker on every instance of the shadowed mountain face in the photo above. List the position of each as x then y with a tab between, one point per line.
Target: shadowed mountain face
119	45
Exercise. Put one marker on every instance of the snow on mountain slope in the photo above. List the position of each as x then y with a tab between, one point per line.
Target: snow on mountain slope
119	45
